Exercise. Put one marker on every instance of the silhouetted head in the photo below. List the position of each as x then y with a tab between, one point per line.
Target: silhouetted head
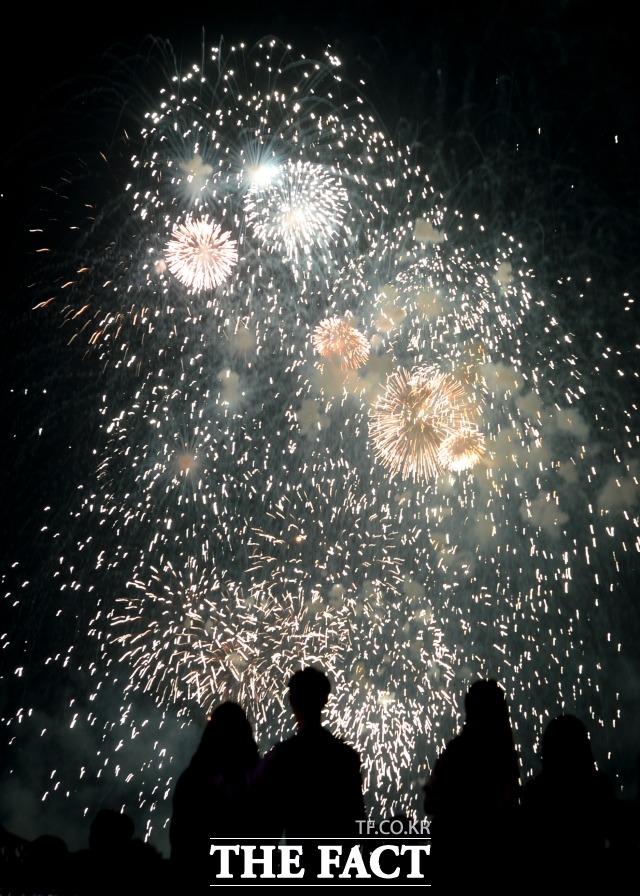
566	748
227	740
49	848
485	703
309	691
228	717
487	715
110	830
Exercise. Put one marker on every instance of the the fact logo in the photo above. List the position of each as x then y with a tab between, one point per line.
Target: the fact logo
359	859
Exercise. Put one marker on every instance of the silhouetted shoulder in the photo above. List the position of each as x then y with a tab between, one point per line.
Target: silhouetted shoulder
318	750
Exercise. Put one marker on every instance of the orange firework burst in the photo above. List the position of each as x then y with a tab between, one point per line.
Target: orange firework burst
200	254
461	451
337	340
413	417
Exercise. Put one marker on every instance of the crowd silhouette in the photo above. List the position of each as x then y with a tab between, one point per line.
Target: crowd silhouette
485	823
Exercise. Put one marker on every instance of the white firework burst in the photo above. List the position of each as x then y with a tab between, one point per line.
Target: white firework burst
299	213
200	254
192	638
417	411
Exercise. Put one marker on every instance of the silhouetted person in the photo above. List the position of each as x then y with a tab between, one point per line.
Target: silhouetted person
115	861
110	832
211	796
310	785
473	792
49	866
100	868
570	806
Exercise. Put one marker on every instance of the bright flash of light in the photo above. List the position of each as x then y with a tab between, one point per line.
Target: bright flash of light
200	254
299	212
461	451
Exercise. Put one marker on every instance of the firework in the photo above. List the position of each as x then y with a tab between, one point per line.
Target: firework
416	413
461	451
338	340
191	638
240	173
200	254
323	432
299	212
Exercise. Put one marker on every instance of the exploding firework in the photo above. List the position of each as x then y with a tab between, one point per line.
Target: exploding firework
409	510
200	254
298	212
339	341
256	139
417	413
193	639
461	450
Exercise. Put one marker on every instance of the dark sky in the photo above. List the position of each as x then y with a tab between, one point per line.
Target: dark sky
555	79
